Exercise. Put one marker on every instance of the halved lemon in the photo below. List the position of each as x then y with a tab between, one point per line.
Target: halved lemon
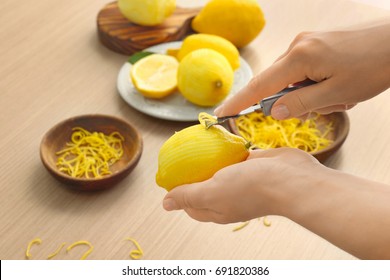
155	76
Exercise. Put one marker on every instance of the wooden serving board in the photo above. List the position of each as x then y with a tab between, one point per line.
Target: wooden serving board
120	35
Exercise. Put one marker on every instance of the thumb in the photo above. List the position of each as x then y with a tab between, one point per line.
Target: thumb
303	101
270	81
186	196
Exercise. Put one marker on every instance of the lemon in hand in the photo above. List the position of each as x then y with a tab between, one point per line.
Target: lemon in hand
147	12
155	76
238	21
195	154
217	43
205	77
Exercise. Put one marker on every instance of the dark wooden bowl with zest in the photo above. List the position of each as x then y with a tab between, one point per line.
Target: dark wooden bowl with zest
338	135
58	136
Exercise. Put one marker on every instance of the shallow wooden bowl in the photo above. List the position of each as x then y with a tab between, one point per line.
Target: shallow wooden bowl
340	132
57	137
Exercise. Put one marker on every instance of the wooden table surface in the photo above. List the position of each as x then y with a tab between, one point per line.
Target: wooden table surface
52	67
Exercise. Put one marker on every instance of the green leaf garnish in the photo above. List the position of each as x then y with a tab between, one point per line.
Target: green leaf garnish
137	56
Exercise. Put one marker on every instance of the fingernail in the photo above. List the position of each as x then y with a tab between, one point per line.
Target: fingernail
280	112
169	204
218	110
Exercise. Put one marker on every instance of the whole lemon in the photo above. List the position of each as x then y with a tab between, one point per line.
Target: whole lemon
217	43
238	21
147	12
204	77
195	154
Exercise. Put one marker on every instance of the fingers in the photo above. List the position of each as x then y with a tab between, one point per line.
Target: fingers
269	82
193	199
287	69
326	111
335	108
258	153
206	215
315	98
187	196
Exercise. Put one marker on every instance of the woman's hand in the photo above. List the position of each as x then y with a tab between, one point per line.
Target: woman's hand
350	65
250	189
342	208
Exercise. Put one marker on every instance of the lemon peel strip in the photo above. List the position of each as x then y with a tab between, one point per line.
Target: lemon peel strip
241	226
82	242
266	222
37	241
137	253
206	120
55	253
90	154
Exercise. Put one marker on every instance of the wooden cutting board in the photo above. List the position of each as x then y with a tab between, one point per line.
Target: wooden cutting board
120	35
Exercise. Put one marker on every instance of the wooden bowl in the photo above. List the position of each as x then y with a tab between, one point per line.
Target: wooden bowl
340	132
57	137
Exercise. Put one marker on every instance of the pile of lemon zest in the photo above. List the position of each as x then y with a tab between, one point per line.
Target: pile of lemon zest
90	154
266	222
82	242
265	132
241	226
37	241
52	255
138	253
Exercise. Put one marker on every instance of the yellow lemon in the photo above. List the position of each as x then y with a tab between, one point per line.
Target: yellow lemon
155	76
217	43
205	77
238	21
172	52
147	12
195	154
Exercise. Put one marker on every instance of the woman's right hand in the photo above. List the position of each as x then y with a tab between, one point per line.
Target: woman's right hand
350	65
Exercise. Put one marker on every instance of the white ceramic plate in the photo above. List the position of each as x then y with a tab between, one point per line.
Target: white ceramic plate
175	106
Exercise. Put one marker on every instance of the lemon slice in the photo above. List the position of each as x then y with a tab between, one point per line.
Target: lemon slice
155	75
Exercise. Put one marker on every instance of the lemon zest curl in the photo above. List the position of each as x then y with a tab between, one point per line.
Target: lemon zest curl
265	132
90	154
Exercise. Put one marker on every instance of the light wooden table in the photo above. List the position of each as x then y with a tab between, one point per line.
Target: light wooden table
53	67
